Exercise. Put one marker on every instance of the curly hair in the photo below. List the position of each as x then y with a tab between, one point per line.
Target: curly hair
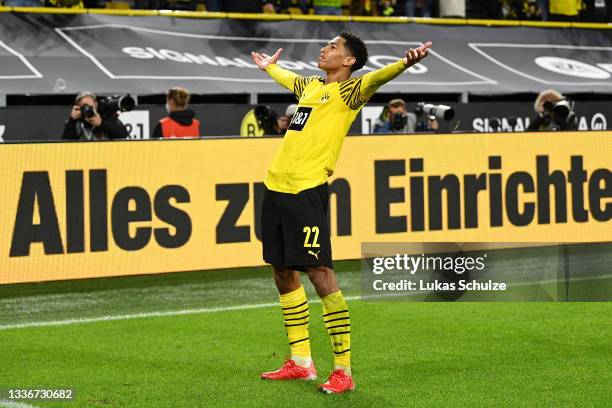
356	48
549	95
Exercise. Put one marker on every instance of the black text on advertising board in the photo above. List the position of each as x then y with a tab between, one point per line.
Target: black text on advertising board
128	205
524	197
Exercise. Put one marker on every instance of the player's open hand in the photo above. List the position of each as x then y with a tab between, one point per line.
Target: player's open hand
265	60
413	56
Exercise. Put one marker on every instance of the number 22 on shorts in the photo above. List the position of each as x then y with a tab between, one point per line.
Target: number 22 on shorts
315	232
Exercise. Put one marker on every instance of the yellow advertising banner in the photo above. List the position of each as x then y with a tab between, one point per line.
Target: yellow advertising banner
80	210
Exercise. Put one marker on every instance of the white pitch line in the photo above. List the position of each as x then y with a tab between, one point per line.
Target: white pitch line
145	315
14	404
135	316
183	312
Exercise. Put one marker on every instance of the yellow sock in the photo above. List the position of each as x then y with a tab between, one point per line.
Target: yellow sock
338	324
296	316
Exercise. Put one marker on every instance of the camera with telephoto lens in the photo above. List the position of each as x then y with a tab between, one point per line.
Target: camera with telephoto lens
560	115
117	103
439	111
109	106
559	110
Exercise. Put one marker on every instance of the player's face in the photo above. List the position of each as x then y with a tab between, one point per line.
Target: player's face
335	56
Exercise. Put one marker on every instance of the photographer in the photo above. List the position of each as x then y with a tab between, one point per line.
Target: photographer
555	112
283	121
86	123
270	121
395	119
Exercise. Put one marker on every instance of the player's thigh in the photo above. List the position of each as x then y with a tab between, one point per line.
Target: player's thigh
306	228
271	230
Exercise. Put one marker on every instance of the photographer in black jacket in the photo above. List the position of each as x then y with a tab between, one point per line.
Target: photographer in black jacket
86	123
554	112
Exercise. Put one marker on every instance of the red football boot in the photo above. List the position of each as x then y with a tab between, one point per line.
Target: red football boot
337	383
292	371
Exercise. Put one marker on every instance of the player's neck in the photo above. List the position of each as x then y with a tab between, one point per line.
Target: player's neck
337	76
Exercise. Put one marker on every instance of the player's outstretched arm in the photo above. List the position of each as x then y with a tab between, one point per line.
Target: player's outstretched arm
373	80
267	63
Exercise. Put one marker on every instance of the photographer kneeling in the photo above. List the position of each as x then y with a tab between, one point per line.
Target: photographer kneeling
395	119
555	112
86	123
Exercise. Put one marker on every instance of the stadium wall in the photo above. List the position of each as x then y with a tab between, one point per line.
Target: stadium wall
224	120
81	210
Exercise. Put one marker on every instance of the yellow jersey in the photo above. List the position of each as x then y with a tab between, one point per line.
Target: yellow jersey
312	144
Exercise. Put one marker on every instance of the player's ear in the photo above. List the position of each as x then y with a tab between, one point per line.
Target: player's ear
349	61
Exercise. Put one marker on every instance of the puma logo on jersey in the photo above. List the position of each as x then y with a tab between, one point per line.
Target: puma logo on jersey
315	254
325	97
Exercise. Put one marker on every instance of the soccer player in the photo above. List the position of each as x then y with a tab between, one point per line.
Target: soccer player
295	229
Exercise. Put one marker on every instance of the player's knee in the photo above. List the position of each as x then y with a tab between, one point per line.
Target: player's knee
286	278
323	279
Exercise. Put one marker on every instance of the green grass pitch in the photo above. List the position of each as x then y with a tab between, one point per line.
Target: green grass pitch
405	354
